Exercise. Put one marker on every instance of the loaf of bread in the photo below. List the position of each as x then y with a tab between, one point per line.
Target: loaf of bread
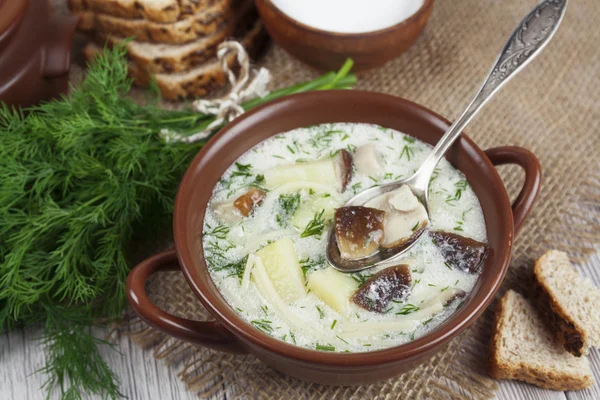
524	349
569	302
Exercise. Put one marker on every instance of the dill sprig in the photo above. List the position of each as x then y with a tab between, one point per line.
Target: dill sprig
408	309
324	347
288	203
234	269
460	186
360	277
82	178
309	264
263	324
315	226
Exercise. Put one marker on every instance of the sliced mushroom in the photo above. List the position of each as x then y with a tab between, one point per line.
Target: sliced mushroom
227	213
403	228
436	303
462	253
458	294
343	169
358	230
392	283
368	161
405	217
403	199
246	202
231	213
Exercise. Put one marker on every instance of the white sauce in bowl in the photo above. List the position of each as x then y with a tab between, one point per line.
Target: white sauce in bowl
308	320
349	16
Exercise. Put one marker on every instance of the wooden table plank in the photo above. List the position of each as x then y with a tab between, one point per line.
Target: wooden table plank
523	391
142	376
19	358
592	270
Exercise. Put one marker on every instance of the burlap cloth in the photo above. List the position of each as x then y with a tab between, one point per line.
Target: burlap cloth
551	108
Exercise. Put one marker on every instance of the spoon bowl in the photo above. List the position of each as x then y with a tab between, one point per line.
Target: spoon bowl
526	42
383	255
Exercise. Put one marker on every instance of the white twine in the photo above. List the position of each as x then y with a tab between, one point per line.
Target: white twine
243	87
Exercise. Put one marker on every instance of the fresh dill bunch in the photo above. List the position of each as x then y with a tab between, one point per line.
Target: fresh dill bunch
81	178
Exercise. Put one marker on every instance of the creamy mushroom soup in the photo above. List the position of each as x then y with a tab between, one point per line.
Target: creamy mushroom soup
266	228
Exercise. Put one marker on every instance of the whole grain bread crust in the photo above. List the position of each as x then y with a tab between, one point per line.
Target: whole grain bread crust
194	83
189	57
178	58
199	25
140	9
548	379
200	83
557	320
572	336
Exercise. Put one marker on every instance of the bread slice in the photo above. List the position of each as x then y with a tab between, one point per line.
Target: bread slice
523	349
154	10
87	21
170	58
201	24
569	302
196	82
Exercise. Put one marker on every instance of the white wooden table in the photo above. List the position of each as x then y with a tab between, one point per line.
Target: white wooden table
142	377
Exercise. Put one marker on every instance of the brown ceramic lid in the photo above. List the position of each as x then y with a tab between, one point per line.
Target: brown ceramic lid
35	51
11	14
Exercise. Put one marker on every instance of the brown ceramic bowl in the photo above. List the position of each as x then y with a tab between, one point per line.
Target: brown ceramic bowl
326	50
231	333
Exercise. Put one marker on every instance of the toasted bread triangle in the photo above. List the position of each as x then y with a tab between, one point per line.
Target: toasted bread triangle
523	349
569	302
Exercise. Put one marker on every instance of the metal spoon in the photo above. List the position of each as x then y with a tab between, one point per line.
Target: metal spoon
526	42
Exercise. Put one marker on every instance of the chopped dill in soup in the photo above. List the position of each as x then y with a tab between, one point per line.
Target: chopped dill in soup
266	227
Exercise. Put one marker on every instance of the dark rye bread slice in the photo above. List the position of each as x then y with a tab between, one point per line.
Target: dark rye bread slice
569	302
170	58
523	349
163	11
196	82
202	24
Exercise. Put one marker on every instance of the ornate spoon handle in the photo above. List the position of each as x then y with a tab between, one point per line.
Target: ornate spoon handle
526	42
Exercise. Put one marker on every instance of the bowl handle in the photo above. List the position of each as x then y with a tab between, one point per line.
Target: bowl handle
205	333
525	159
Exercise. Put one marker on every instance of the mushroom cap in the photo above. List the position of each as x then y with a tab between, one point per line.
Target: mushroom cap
343	168
358	231
246	202
393	283
460	252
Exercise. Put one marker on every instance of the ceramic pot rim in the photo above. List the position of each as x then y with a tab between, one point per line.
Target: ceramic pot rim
427	4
